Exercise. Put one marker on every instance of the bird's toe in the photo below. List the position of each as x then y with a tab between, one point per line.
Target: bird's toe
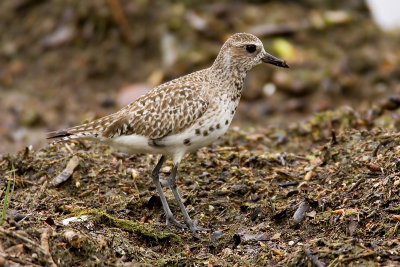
172	221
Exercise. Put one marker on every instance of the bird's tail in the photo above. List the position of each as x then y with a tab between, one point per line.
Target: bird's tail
85	131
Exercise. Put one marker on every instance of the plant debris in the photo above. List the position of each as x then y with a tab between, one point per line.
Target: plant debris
308	174
67	172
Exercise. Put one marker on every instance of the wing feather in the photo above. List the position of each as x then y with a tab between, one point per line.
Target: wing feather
159	113
168	109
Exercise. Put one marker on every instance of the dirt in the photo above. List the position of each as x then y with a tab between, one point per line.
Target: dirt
306	176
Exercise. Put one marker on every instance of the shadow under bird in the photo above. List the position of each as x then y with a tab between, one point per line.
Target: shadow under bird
181	115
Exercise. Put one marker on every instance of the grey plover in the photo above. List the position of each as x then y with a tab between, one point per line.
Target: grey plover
181	115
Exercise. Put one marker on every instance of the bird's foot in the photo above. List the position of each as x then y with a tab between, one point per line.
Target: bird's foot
171	220
195	228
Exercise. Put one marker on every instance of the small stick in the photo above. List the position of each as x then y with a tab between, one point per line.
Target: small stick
355	185
333	134
120	19
28	243
44	242
134	176
67	172
375	152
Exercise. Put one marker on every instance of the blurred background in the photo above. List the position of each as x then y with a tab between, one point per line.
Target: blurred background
64	62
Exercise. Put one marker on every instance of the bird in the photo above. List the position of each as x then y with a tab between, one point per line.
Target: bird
180	116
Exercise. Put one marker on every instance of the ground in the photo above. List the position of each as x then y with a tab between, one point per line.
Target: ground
308	175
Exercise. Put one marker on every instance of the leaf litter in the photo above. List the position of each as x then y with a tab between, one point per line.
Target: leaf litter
320	191
264	211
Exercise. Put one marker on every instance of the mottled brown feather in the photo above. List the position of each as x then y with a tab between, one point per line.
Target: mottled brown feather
165	111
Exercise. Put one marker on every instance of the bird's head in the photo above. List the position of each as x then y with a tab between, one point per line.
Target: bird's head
244	51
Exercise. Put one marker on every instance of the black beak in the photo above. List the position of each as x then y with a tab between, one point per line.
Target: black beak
270	59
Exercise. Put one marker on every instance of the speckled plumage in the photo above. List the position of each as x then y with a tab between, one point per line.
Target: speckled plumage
184	114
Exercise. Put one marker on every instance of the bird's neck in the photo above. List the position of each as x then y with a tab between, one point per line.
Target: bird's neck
228	80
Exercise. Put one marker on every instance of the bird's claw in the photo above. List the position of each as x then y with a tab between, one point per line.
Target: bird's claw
171	220
194	228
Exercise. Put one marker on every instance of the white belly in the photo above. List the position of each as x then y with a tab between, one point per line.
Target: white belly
202	133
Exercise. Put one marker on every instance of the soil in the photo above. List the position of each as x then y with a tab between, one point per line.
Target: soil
307	175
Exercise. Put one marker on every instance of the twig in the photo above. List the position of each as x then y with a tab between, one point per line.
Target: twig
134	176
120	19
282	158
313	258
20	261
333	136
44	242
375	152
67	172
28	243
5	204
356	185
7	195
13	261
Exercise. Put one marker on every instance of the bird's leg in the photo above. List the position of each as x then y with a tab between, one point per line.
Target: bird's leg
172	183
156	180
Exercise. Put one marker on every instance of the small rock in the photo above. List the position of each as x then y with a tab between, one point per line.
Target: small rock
309	175
226	252
215	235
60	36
276	236
188	181
255	213
269	89
203	194
240	189
255	197
300	213
311	214
75	239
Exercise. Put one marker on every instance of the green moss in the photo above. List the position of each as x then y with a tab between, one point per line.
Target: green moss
176	260
131	226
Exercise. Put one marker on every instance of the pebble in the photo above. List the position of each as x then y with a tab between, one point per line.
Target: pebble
188	181
216	234
203	194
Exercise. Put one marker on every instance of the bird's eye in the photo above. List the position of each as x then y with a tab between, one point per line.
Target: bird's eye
251	48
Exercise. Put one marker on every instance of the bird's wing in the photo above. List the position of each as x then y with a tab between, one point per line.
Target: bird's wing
162	112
